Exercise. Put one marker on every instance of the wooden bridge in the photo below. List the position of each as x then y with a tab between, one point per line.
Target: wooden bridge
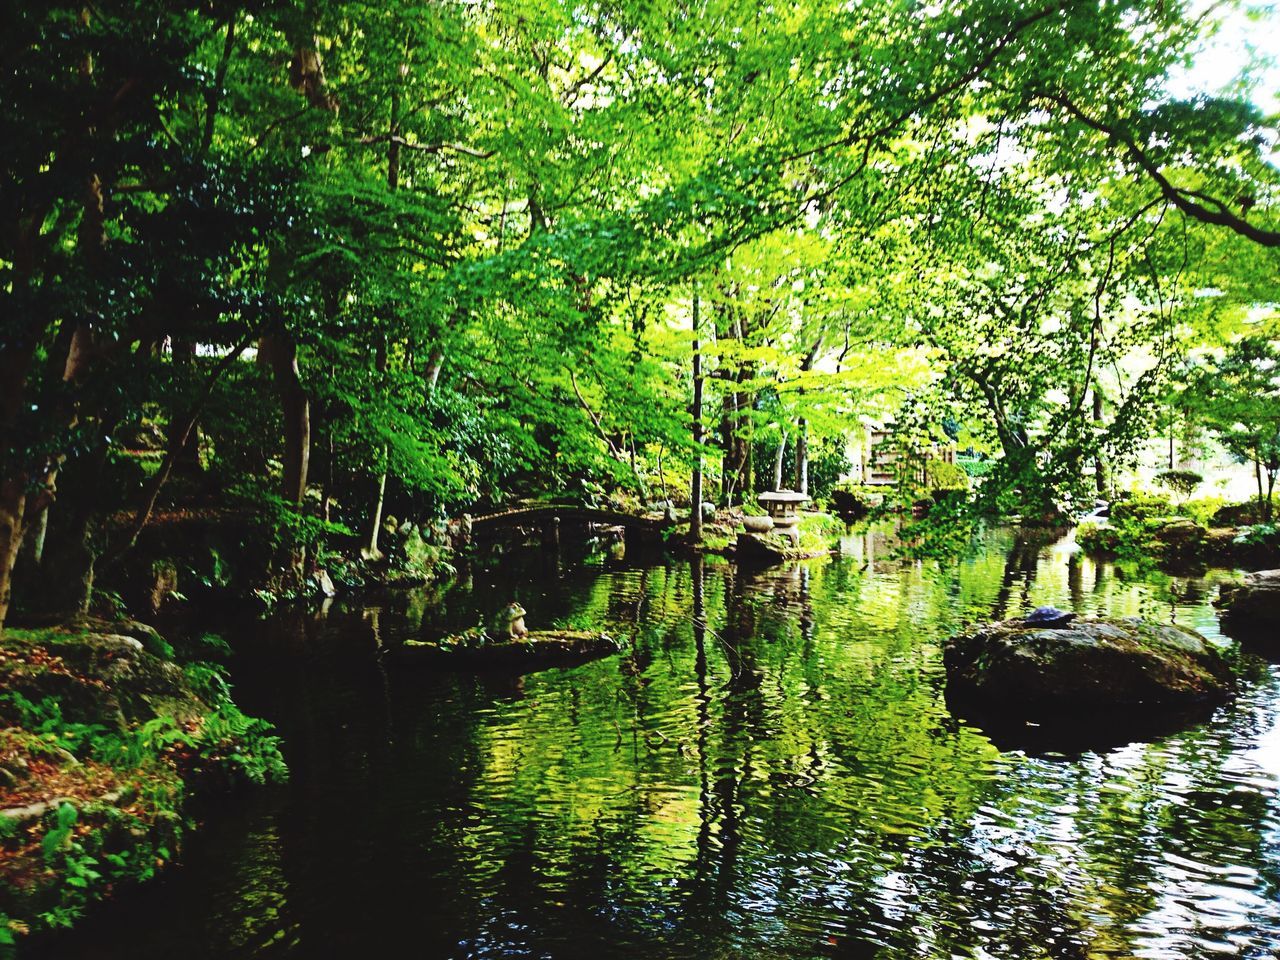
551	518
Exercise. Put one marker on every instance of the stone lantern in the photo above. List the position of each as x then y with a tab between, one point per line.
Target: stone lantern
782	506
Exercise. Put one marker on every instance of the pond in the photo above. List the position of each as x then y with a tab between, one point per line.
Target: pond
770	771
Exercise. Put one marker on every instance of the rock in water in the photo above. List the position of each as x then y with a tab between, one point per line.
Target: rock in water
1088	665
1253	608
1048	617
760	548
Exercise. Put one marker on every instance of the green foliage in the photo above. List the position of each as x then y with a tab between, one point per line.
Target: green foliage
1203	510
494	298
940	475
1259	534
820	531
855	499
1140	506
974	467
487	275
1237	514
46	719
1235	391
1097	538
1182	482
942	532
100	837
1128	539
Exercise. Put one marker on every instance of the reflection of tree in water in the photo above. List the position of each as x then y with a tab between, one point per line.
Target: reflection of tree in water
1020	568
769	771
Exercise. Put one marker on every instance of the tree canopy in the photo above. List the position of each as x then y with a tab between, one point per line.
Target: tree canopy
352	257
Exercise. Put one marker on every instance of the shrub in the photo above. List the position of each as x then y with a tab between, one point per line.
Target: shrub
1141	506
855	499
975	467
1097	539
1238	514
1259	535
820	531
1183	483
1203	510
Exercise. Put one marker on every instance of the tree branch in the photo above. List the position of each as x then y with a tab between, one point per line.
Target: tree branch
1184	199
177	442
428	147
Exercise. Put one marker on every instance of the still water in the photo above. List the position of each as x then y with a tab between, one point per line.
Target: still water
771	771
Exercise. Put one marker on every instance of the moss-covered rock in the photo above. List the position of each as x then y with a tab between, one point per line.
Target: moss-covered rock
1088	665
103	738
1238	514
1179	539
770	548
1176	542
96	676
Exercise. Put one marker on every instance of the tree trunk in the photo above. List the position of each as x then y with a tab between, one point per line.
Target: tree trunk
34	538
777	460
802	432
179	434
188	459
326	497
16	357
434	364
1099	467
68	577
1257	473
68	572
371	551
695	493
802	457
13	504
280	353
306	74
728	457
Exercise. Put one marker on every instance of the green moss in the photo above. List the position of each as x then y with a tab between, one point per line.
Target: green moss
717	543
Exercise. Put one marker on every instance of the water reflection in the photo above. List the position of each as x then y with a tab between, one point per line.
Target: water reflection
770	771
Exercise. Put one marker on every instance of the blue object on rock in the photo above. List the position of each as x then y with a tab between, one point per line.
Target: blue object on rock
1048	617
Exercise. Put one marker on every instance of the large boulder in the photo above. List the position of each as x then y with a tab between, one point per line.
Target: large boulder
1253	608
1085	667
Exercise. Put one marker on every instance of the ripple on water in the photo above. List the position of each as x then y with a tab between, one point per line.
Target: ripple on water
772	774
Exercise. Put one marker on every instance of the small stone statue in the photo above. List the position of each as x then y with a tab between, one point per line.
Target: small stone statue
511	621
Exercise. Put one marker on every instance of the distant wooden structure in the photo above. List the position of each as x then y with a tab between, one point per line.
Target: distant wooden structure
878	461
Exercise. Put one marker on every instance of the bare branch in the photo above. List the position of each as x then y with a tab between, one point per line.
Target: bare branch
428	147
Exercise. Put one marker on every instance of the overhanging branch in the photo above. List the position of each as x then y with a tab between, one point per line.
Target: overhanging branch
1193	203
